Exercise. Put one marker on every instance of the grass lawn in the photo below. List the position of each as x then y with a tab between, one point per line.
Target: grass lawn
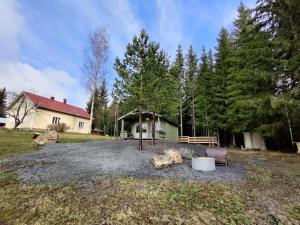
269	194
15	142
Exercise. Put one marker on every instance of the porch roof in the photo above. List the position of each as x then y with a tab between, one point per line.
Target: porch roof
133	115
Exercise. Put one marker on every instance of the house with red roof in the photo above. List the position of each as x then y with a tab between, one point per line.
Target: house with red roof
45	111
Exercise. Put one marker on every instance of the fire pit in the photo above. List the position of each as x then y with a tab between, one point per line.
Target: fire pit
203	164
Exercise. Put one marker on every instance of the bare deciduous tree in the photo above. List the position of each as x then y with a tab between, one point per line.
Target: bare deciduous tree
20	109
95	57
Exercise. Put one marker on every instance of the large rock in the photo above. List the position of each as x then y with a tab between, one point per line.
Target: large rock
174	155
186	153
48	137
161	161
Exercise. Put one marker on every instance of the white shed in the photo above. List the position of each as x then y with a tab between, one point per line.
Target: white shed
254	140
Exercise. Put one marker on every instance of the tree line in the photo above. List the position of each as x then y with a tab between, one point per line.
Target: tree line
250	83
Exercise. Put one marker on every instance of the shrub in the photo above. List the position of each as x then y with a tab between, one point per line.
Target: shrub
60	127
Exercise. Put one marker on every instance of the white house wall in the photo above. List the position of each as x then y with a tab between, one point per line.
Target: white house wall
39	119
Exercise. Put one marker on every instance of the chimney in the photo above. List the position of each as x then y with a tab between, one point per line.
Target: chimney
65	101
52	98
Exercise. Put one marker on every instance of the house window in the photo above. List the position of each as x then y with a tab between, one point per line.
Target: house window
55	120
81	124
137	130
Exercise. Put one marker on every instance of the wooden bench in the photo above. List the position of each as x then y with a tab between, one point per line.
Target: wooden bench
198	140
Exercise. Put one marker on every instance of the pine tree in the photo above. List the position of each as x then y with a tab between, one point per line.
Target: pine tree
160	89
177	71
134	72
190	88
3	97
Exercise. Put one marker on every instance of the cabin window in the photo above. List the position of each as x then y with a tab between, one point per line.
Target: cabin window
55	120
137	130
81	124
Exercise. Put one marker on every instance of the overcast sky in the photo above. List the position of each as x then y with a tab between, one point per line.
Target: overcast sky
42	41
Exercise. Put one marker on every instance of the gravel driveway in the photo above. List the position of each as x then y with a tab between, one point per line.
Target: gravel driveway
57	163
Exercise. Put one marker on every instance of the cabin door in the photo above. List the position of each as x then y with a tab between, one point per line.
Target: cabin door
145	131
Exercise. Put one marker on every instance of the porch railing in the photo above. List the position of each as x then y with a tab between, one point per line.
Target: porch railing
210	140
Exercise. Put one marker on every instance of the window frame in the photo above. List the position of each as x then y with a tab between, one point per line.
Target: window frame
137	130
55	120
81	124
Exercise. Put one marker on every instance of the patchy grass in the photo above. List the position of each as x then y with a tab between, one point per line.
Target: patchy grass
15	142
271	187
119	201
269	194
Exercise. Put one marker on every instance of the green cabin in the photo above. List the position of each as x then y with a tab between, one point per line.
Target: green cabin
164	129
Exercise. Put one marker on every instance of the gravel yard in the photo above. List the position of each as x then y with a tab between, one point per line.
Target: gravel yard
58	163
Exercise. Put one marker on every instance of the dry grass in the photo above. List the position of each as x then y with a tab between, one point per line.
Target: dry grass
119	201
269	194
271	187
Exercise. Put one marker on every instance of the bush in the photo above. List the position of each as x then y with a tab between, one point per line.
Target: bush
60	127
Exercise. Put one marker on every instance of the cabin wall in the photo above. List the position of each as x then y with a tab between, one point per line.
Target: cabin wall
171	132
163	130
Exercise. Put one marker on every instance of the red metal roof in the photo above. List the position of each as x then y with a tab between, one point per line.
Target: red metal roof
47	103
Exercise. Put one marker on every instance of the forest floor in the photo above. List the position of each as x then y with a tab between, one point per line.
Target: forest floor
267	192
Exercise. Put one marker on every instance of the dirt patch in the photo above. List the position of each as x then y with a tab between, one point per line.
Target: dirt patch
57	163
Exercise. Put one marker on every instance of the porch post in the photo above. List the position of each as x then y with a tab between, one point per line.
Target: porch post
158	122
122	126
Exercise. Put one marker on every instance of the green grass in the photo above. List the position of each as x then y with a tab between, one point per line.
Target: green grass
16	142
13	143
75	138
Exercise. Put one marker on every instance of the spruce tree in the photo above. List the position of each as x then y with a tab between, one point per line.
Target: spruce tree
280	20
219	82
250	82
3	97
100	106
177	71
190	88
203	85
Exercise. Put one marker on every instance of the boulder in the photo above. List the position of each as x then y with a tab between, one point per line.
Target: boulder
174	155
186	153
48	137
160	161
